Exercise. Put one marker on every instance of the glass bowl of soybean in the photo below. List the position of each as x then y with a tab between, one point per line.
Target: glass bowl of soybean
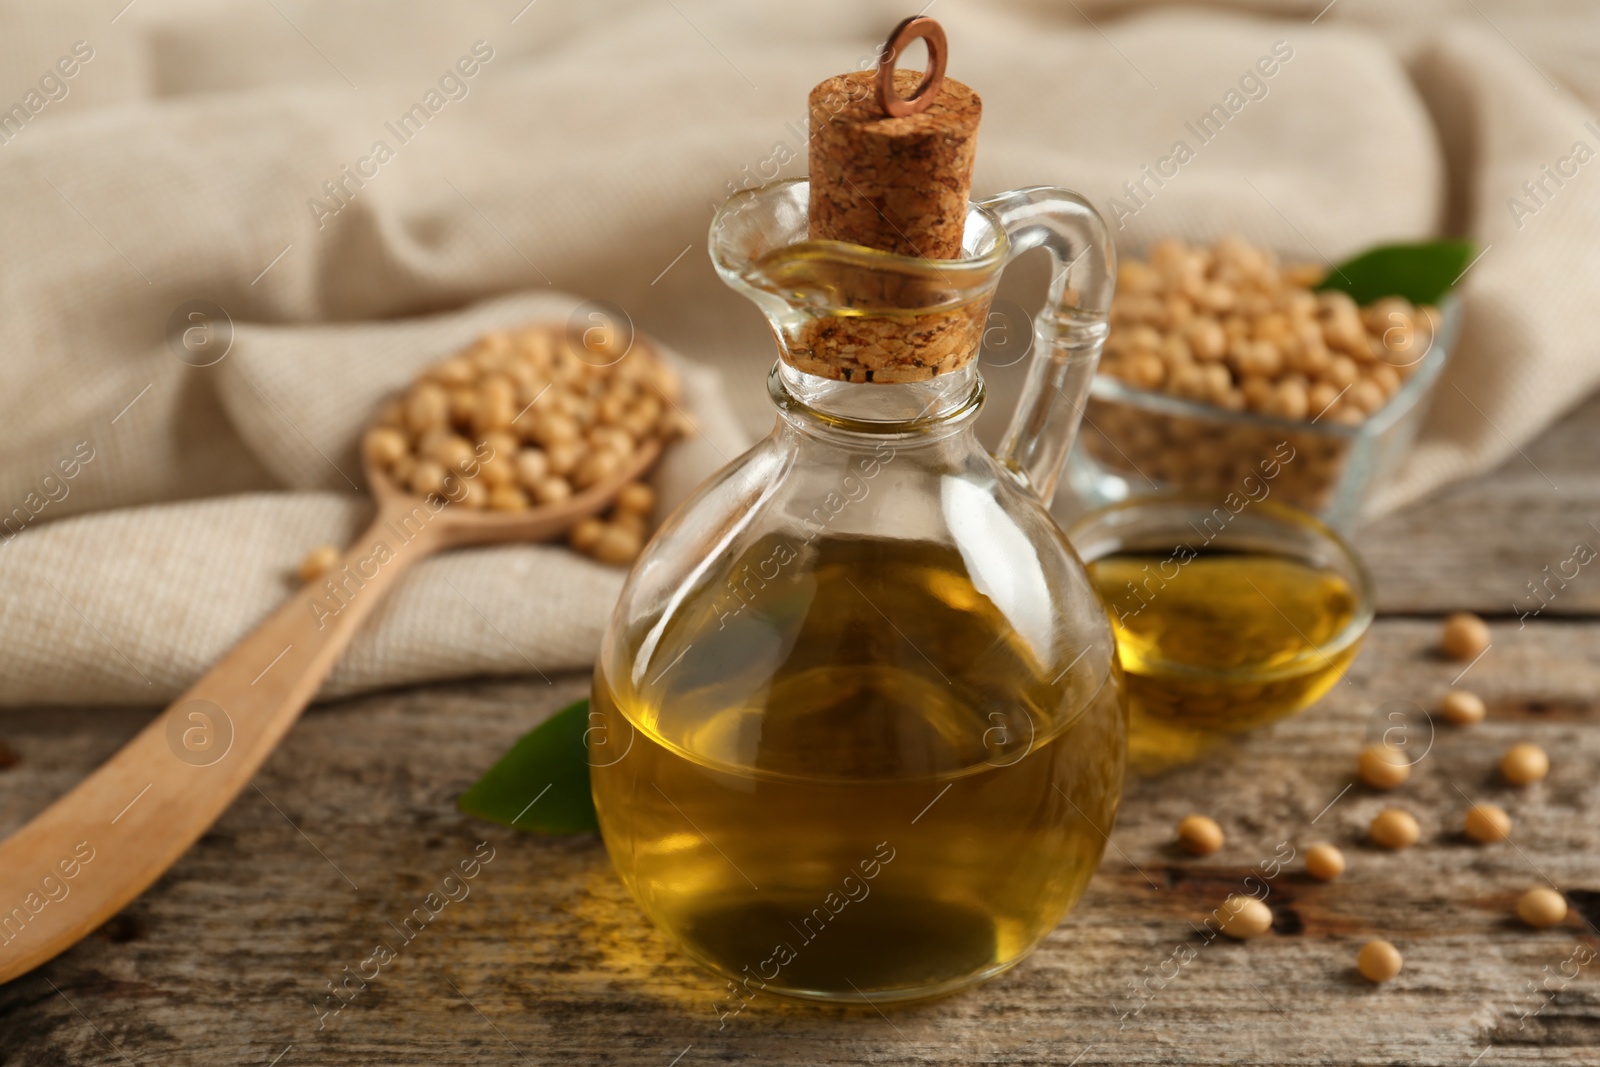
1230	611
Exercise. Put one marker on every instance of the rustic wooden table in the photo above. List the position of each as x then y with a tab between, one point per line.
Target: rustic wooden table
228	959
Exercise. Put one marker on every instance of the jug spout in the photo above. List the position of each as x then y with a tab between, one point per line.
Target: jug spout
1068	333
850	315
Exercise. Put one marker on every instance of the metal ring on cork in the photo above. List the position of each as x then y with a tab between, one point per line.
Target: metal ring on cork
909	30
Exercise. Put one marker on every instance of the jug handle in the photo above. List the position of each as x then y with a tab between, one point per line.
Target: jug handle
1068	333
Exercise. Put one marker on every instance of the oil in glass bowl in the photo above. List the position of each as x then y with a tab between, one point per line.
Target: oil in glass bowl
823	803
1225	621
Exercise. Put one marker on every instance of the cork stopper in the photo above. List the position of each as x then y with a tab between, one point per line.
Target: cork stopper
891	168
892	152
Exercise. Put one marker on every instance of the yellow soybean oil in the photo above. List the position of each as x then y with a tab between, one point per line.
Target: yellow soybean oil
862	783
1221	642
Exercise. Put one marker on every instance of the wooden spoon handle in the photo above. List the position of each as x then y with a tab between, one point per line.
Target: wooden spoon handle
102	844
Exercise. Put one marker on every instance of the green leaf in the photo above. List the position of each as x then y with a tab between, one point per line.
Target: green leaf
542	783
1422	272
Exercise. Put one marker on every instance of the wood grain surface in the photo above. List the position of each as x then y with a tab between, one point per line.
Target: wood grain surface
229	957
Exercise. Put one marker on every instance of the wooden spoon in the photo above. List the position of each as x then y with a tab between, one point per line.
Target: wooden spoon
102	844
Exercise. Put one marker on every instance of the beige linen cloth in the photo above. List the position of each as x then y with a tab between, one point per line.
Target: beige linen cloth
184	158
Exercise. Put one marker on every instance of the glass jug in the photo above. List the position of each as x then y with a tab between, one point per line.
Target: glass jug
859	726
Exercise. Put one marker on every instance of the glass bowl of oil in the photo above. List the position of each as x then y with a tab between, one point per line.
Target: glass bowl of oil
1229	613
